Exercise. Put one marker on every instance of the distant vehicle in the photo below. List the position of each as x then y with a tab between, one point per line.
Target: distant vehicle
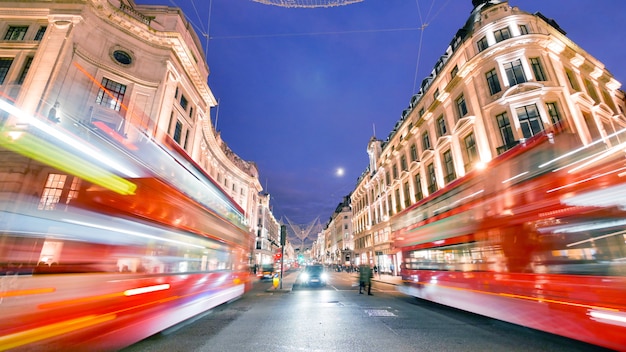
266	272
313	275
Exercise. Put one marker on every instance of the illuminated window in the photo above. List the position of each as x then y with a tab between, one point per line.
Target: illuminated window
111	94
53	191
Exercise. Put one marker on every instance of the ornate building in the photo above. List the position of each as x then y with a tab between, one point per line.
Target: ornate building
127	70
506	77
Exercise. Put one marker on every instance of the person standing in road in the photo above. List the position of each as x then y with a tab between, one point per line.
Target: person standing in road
365	278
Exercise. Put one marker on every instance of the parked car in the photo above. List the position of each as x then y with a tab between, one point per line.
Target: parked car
313	275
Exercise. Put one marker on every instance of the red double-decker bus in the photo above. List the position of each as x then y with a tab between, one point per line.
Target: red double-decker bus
537	238
106	241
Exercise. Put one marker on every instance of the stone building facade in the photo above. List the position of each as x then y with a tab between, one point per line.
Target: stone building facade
506	76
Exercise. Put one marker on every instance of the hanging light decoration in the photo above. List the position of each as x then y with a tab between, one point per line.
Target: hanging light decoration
307	3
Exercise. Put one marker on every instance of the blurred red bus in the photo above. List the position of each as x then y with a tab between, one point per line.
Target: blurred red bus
107	241
537	238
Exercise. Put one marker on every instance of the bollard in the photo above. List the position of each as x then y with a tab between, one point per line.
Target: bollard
276	281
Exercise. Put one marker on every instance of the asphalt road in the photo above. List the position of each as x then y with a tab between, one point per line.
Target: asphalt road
338	318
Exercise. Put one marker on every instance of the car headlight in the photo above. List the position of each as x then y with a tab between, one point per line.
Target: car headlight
304	277
324	276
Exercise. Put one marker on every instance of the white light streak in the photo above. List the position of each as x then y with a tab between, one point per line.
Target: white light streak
133	233
147	289
514	177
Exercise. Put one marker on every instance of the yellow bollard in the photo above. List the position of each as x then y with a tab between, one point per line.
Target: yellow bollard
276	281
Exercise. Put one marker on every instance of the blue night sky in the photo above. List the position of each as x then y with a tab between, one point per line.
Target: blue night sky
301	91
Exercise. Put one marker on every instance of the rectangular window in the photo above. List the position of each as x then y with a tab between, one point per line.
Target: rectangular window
426	141
395	171
609	100
27	63
591	90
111	94
5	65
506	132
454	72
398	201
493	82
555	116
407	195
573	81
442	129
40	32
421	113
448	166
403	163
178	131
16	33
183	102
388	178
470	150
52	191
432	178
502	34
419	195
514	72
461	107
413	152
537	69
436	94
529	120
482	44
186	139
523	29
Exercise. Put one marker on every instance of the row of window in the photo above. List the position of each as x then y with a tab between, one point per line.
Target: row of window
20	33
530	123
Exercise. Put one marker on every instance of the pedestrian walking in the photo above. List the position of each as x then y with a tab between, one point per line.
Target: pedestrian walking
365	279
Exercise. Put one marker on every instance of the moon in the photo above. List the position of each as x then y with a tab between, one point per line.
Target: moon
339	172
